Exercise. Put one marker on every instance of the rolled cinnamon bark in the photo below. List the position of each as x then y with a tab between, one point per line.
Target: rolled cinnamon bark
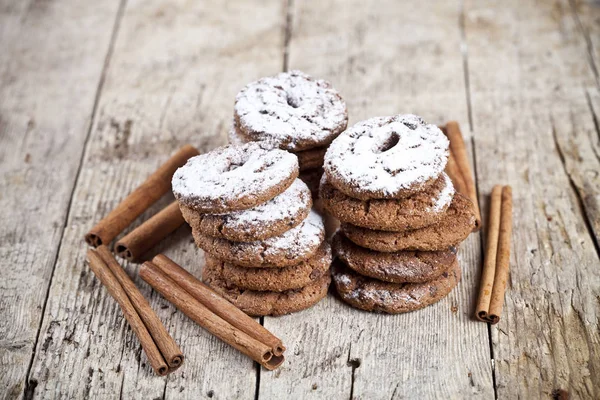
148	234
167	346
491	248
217	326
503	257
139	200
458	148
218	304
110	282
455	176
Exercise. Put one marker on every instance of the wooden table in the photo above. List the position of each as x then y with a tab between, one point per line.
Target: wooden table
94	95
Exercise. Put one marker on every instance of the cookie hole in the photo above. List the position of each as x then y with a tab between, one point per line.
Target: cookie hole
389	143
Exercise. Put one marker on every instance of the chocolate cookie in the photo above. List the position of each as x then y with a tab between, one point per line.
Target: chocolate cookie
397	267
275	279
234	178
257	303
312	177
291	110
311	159
273	218
236	138
393	298
386	158
290	248
415	211
307	159
454	227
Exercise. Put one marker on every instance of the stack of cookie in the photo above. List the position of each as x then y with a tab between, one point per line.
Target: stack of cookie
264	247
294	112
401	219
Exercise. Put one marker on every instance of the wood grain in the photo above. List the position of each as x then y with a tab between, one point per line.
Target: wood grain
172	79
388	60
51	63
521	77
526	115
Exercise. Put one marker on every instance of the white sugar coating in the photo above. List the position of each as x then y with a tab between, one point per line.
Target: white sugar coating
228	173
234	137
284	206
404	292
291	108
445	197
387	154
308	235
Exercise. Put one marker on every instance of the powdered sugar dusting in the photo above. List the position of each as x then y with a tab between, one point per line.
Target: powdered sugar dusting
234	137
443	201
231	172
385	155
382	293
308	235
281	207
291	108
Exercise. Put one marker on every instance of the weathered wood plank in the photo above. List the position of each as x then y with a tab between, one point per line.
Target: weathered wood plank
52	57
582	156
385	58
587	15
534	131
175	70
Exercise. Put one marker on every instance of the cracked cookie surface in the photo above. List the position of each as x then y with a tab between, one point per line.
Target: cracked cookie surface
373	295
290	248
257	303
454	227
396	267
272	218
275	279
415	211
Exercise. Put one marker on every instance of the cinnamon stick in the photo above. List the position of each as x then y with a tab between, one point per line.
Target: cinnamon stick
503	257
139	200
491	248
111	283
148	234
458	148
167	346
455	175
218	304
217	326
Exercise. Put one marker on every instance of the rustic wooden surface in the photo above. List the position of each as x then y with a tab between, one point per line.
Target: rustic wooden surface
95	95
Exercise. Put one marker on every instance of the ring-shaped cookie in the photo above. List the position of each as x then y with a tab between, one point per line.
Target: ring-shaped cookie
291	110
232	178
386	157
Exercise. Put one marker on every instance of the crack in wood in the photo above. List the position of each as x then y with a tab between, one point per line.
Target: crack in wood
465	56
30	384
354	363
575	190
588	41
594	119
287	34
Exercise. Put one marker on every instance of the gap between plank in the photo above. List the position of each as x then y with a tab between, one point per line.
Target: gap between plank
28	392
465	56
580	202
287	33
